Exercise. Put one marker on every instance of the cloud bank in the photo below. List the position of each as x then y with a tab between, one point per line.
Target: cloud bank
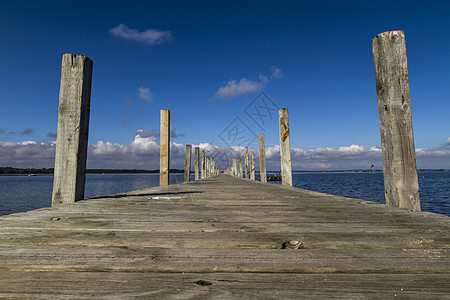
148	37
143	153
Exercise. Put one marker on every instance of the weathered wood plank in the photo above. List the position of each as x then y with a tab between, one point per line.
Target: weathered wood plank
124	285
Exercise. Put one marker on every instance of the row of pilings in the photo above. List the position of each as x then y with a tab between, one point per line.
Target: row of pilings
236	169
394	108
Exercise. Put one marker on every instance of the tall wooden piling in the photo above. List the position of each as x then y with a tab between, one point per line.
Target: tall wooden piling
203	164
187	163
213	167
233	167
394	108
241	173
262	159
197	162
208	167
164	152
73	129
285	148
252	165
246	162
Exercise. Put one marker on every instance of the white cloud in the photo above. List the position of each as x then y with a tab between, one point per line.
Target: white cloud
143	153
149	36
27	154
446	144
244	86
145	94
276	73
352	149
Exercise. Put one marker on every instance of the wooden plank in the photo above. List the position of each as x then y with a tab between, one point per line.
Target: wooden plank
151	259
394	108
120	285
207	239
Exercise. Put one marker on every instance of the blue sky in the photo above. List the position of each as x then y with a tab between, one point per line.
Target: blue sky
207	61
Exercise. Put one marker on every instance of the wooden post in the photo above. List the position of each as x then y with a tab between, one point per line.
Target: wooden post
203	164
73	129
285	148
213	167
252	165
208	167
394	109
164	152
187	163
233	167
246	162
241	173
197	162
262	159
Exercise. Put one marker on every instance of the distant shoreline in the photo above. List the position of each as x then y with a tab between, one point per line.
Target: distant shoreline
9	171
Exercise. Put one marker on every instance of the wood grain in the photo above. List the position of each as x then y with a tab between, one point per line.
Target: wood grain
222	237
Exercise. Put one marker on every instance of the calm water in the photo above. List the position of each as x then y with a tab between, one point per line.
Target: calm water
23	193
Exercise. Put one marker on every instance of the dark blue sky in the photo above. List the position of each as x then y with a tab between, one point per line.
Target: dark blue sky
212	59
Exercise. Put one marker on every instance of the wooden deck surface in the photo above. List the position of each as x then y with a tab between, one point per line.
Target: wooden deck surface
221	238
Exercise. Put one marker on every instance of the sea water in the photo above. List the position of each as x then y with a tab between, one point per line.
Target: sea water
24	193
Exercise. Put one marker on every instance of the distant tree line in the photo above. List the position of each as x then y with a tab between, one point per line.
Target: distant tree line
49	171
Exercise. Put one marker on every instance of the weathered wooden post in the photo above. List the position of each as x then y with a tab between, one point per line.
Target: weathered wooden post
262	159
164	148
203	164
213	166
241	173
73	129
208	167
285	148
394	109
252	165
246	162
197	162
187	163
233	167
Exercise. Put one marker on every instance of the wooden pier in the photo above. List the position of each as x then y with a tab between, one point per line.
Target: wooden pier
224	237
